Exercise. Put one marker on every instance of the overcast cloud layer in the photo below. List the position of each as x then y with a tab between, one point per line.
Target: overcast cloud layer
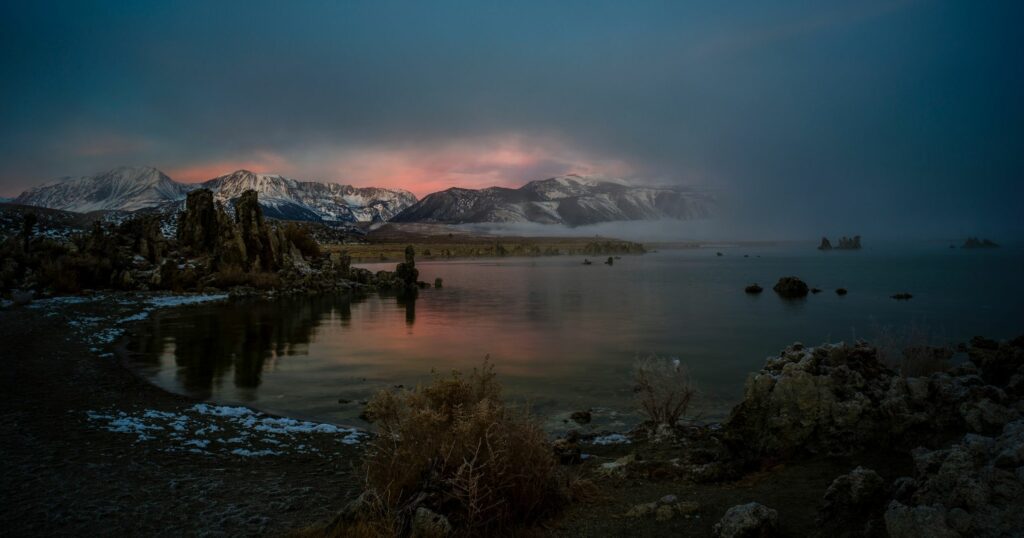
896	118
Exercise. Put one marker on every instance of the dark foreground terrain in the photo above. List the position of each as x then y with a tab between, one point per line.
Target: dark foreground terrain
88	448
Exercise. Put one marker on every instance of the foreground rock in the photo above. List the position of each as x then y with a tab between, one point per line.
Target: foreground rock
840	398
791	287
853	505
752	520
973	488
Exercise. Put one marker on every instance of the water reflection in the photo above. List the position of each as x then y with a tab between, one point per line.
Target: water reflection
245	340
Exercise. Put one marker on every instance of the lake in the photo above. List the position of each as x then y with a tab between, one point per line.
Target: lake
563	336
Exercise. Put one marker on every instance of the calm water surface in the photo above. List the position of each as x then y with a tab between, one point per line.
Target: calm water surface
563	336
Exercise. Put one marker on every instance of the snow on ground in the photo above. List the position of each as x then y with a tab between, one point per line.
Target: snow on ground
101	331
212	429
611	439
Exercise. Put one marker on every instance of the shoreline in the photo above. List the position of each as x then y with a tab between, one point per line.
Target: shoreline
75	410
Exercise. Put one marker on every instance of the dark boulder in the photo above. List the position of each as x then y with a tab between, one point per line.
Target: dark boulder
791	287
841	291
753	289
853	505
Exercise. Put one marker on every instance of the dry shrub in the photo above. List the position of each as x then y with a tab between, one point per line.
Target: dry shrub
454	447
913	349
303	239
662	389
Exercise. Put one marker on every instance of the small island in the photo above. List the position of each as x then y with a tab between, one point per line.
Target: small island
974	242
845	243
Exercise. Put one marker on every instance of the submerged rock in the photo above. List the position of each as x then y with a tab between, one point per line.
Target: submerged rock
753	289
841	291
751	520
791	287
902	296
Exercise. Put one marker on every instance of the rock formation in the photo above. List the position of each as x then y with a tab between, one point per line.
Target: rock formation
848	243
825	244
840	398
791	287
751	520
974	242
853	505
973	488
753	289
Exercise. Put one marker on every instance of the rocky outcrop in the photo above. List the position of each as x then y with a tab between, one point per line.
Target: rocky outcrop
825	244
751	520
973	488
840	399
791	287
753	289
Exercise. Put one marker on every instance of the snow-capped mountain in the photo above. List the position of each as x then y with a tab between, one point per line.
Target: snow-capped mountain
571	200
124	188
132	189
286	198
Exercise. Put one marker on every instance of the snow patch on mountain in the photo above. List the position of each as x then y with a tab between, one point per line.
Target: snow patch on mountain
572	200
129	189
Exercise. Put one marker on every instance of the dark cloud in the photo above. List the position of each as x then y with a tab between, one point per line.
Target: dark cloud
871	117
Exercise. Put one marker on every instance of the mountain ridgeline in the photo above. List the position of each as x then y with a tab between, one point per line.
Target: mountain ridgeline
134	188
570	200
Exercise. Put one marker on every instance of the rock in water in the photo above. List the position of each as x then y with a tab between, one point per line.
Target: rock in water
753	289
825	244
902	296
841	291
791	287
974	242
847	243
406	272
752	520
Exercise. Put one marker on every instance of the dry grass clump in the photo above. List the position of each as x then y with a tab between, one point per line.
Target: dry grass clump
913	349
663	390
454	448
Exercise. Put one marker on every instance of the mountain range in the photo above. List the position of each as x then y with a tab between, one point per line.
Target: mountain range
572	200
133	188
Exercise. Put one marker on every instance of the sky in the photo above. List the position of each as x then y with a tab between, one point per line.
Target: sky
805	118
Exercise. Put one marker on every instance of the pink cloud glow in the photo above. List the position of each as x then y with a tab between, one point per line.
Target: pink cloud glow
506	161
